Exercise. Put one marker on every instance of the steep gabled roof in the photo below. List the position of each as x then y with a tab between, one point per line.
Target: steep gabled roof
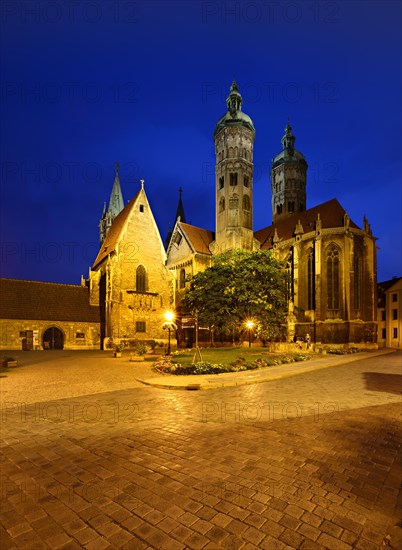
45	301
109	244
199	238
331	214
382	288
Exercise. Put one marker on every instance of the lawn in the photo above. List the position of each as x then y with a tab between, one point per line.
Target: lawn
223	355
219	360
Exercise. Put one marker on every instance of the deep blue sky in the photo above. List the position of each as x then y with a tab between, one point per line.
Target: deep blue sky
89	83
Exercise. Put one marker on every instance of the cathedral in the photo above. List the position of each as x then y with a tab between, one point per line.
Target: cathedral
331	260
136	278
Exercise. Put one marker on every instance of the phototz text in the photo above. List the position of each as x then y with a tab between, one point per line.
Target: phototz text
70	93
275	92
221	411
71	12
55	172
270	12
327	172
90	412
70	492
235	492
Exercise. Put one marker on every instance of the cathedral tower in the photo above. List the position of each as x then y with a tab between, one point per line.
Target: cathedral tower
234	137
116	205
288	179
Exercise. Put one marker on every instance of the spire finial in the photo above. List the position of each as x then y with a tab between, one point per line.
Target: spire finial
117	166
234	99
180	191
142	184
288	140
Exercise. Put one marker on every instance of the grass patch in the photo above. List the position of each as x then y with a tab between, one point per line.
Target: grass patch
219	360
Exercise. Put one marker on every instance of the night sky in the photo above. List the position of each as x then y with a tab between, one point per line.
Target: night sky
89	83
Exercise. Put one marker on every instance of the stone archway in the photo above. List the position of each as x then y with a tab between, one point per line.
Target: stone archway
53	338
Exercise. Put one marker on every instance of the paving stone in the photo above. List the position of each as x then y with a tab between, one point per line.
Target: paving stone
291	538
332	543
253	535
308	531
174	480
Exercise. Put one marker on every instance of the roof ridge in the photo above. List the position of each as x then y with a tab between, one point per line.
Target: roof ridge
41	282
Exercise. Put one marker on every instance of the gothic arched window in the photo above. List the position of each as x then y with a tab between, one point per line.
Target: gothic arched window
289	276
141	279
310	279
246	181
221	182
246	202
234	202
357	282
333	277
182	278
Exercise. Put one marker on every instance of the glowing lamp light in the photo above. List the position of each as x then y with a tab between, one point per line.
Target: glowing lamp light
249	325
169	316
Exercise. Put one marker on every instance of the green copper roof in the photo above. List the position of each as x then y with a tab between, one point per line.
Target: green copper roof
116	203
288	153
234	115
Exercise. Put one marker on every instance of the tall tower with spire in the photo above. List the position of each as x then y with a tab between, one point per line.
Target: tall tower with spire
288	179
116	205
234	138
179	214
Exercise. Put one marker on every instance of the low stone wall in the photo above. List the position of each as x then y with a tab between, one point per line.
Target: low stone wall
75	335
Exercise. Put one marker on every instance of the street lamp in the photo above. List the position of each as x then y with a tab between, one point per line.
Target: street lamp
249	325
169	316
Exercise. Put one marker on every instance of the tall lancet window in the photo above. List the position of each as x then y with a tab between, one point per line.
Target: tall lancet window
290	276
357	268
333	277
141	279
310	279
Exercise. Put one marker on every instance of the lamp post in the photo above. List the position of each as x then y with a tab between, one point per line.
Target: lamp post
249	325
169	316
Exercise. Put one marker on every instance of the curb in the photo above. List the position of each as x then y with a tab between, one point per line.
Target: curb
205	385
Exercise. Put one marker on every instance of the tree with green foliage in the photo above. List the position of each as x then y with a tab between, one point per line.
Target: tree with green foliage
241	286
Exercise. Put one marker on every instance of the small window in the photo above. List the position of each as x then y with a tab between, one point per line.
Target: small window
141	208
246	202
246	181
383	333
383	316
221	182
233	178
394	314
395	333
178	238
291	206
222	204
395	297
79	335
140	326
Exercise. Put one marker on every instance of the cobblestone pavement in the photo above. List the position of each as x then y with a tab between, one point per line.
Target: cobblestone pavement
305	462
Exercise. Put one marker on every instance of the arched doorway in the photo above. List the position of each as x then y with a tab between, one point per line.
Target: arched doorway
53	338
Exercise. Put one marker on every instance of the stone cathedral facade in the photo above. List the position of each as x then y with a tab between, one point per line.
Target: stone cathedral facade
331	260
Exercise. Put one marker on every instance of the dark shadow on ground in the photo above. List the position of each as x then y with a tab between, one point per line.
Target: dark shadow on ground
379	381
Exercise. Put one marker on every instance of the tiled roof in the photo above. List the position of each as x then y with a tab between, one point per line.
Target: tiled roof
45	301
382	288
331	214
113	235
199	238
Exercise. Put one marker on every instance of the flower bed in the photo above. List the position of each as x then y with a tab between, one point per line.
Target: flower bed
165	365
